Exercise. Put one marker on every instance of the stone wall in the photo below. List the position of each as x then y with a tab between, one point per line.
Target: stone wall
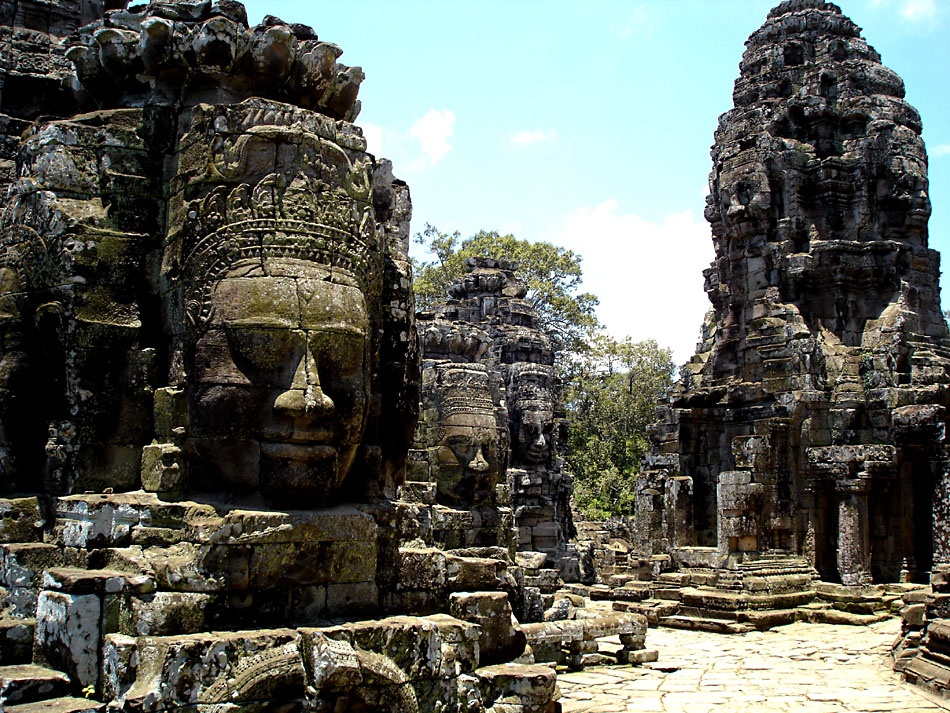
209	385
810	421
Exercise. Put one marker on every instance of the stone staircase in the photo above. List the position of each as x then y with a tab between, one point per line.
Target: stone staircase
25	685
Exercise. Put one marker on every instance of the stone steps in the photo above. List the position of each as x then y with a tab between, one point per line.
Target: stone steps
759	619
59	705
16	640
716	626
28	683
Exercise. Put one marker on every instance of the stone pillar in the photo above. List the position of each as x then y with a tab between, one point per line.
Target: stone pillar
679	509
854	547
648	513
809	534
941	512
739	513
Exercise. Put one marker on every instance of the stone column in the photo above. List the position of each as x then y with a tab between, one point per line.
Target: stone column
809	536
678	506
648	518
941	512
854	547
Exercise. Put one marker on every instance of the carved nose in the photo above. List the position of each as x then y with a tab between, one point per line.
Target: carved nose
539	441
304	397
478	464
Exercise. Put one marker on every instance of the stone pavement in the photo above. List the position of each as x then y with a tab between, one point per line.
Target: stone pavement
814	668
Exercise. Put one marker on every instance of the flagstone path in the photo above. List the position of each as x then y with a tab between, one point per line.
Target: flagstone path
813	668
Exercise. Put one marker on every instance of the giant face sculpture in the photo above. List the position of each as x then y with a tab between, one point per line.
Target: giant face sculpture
531	391
279	293
471	446
282	378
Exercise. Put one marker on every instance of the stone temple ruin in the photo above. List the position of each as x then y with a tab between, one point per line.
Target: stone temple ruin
488	322
806	437
239	474
209	391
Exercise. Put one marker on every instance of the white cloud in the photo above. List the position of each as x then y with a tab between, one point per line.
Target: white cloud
647	275
433	131
532	137
636	21
374	138
940	150
911	10
918	10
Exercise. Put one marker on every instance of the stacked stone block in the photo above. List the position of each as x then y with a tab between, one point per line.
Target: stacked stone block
208	387
790	433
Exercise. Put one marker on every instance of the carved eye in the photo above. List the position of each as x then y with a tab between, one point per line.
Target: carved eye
267	357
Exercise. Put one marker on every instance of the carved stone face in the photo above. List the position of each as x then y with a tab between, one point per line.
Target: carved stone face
902	196
468	459
282	380
532	398
533	435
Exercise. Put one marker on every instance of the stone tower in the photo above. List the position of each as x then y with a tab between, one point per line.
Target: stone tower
811	420
209	384
488	321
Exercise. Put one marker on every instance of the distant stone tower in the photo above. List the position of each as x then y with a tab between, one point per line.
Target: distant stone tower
487	320
811	420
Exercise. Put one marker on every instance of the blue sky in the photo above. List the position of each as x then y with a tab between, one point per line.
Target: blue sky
588	124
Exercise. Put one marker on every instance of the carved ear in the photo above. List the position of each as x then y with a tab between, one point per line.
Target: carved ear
49	316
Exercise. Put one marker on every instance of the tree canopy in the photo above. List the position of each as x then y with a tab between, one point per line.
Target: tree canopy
610	397
552	274
610	387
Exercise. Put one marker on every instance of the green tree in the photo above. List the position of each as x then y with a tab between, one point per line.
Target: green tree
611	395
552	274
611	387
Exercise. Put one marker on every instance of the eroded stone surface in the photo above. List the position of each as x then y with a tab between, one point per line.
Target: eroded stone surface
209	384
789	436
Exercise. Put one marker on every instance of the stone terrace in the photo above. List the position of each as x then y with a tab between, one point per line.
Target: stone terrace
813	668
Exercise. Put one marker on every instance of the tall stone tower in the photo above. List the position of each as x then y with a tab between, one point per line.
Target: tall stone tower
811	420
487	321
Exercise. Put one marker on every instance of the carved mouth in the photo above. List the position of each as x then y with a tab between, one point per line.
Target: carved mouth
536	452
918	217
301	437
298	451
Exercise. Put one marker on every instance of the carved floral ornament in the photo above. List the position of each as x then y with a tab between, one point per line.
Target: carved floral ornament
336	675
318	209
171	52
36	245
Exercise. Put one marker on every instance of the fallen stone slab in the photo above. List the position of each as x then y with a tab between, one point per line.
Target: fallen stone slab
835	616
59	705
27	682
718	626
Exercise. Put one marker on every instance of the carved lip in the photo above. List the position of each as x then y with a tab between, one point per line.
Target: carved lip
298	451
536	452
918	216
300	436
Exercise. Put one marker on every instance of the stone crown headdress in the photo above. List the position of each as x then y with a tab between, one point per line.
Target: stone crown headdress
465	389
302	220
531	385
